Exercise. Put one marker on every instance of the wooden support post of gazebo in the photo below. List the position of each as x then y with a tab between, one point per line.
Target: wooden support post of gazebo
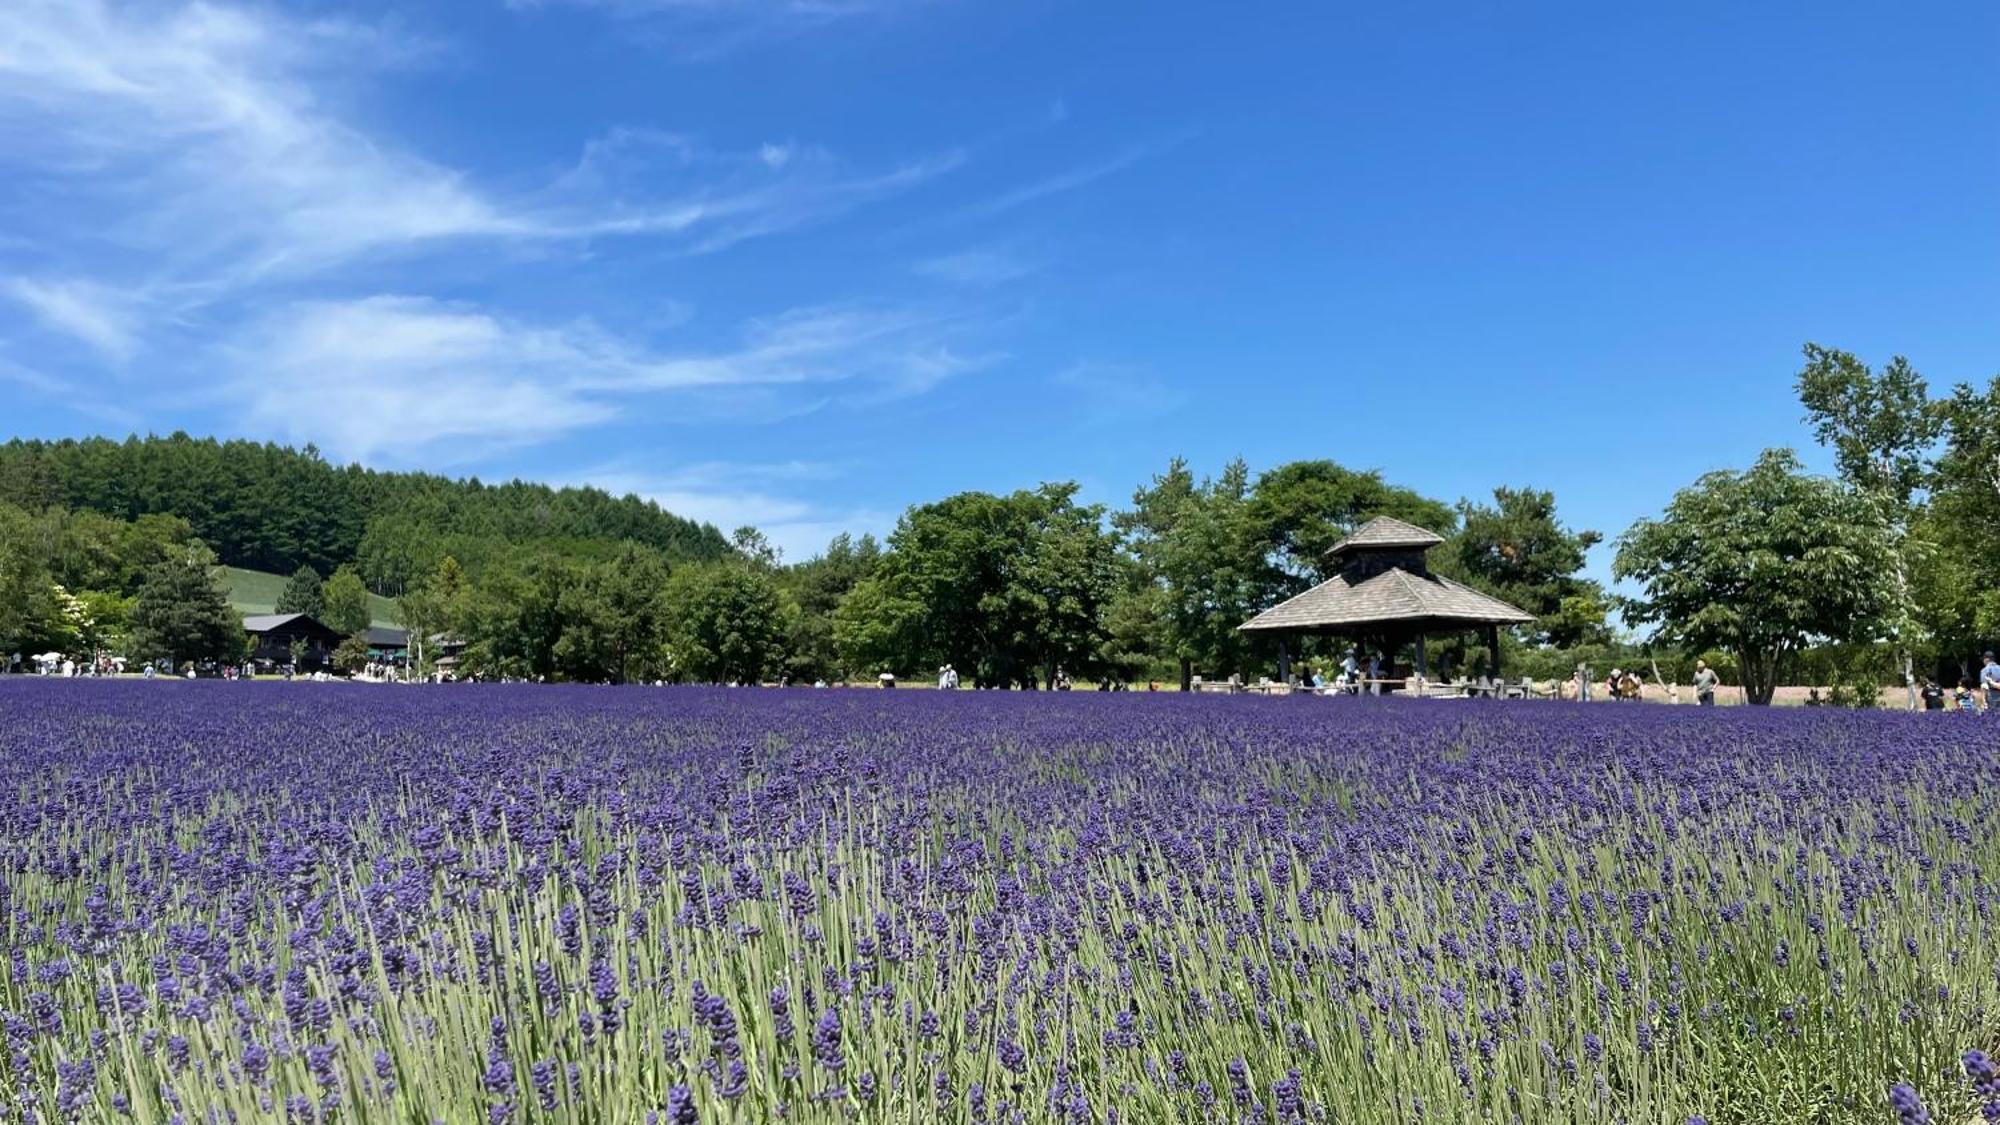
1384	589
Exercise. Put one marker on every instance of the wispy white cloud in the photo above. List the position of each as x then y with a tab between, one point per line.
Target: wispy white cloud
212	138
650	182
732	494
397	374
710	28
1116	391
805	10
1080	176
70	396
102	317
986	266
199	125
389	374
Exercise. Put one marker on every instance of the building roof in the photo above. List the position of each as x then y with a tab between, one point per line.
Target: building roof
1387	533
265	622
383	636
1394	595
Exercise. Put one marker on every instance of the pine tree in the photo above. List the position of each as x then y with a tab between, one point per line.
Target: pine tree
183	612
303	594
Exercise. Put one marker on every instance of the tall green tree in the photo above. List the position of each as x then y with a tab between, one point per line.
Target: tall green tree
303	593
725	622
27	604
816	588
182	612
1882	427
1008	589
346	607
1298	511
1517	549
434	606
614	618
1762	563
1206	561
1955	581
512	620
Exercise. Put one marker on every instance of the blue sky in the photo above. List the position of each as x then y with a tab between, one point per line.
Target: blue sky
801	263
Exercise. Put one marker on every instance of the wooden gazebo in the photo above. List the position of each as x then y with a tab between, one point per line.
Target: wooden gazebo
1386	593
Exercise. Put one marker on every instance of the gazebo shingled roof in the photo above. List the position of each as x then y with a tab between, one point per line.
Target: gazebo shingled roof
1385	589
1393	597
1387	532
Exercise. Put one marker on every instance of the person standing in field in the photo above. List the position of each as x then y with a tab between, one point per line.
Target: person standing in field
1989	678
1933	694
1704	684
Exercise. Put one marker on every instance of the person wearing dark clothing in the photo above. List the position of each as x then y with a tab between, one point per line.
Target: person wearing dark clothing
1933	694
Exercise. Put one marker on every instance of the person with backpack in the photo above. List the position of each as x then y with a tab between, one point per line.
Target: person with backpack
1933	695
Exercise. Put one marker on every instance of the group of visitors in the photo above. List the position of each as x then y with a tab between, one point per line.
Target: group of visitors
51	664
1966	696
1358	673
1628	685
1625	685
947	678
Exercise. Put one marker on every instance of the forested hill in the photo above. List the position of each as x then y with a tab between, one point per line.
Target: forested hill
275	508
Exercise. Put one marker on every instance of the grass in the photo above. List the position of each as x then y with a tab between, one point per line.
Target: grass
253	591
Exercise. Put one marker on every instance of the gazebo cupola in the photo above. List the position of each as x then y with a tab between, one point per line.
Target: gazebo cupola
1384	543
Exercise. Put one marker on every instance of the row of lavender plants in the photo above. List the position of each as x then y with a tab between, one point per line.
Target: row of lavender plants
520	904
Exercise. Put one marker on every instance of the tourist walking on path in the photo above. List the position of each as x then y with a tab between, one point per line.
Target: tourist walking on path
1989	678
1704	684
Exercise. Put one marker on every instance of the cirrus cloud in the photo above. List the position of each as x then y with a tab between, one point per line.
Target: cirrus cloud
395	375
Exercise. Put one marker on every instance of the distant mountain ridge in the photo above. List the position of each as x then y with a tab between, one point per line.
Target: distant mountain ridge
273	508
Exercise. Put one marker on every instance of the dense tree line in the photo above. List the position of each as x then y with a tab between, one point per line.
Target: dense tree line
1010	589
82	583
274	508
1768	572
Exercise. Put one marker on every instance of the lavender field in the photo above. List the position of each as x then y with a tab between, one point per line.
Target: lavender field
230	902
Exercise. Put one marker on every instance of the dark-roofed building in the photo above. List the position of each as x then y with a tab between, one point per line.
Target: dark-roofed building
387	644
272	634
1385	593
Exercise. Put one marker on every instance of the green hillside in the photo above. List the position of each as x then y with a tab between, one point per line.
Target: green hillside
253	591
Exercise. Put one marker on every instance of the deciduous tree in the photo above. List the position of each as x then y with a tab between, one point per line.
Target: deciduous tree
347	610
1007	588
1762	563
725	622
